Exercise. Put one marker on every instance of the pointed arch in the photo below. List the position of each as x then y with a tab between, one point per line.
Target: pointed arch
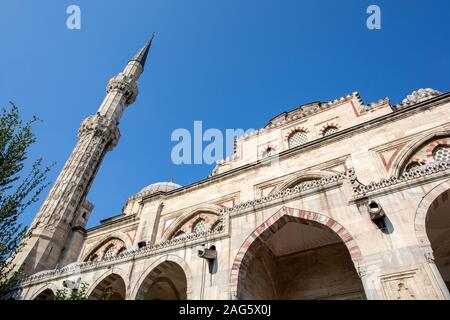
401	160
256	239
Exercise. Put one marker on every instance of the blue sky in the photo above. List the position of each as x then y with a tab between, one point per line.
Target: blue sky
230	64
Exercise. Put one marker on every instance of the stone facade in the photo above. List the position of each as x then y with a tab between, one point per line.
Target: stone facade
335	200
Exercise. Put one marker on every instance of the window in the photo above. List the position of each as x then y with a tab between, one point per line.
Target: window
413	166
297	138
329	130
199	226
441	153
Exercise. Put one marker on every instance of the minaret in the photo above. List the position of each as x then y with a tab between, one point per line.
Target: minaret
65	211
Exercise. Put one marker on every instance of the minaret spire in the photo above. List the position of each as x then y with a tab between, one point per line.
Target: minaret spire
141	56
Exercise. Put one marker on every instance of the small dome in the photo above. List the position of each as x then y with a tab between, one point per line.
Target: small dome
160	187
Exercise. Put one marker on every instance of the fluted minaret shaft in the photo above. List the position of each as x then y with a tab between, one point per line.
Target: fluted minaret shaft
63	211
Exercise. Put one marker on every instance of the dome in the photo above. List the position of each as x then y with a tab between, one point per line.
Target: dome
160	187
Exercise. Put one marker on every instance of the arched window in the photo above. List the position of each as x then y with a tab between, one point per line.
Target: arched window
441	153
121	250
268	152
297	138
329	130
428	153
199	226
